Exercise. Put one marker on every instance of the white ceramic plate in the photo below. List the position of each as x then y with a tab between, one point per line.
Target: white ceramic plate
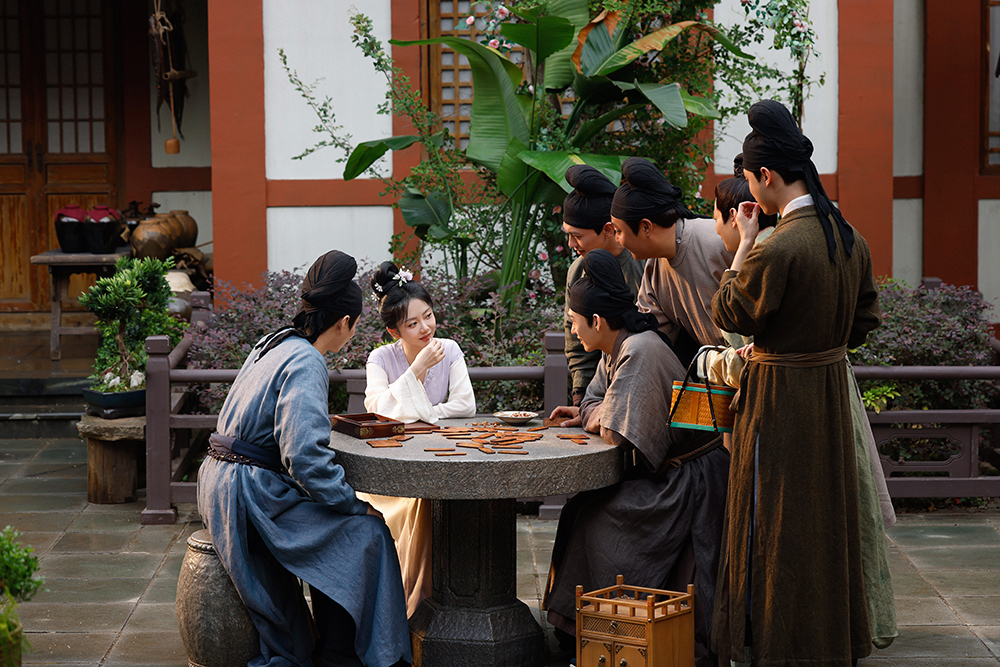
516	417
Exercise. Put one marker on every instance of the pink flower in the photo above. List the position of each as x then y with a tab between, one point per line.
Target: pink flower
502	12
534	274
557	209
531	295
544	256
559	248
470	20
494	43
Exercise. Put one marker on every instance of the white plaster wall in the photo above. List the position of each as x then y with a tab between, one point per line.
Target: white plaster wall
908	240
821	117
196	144
198	204
908	88
316	38
296	236
989	252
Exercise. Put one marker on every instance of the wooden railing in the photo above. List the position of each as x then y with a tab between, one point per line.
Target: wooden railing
959	427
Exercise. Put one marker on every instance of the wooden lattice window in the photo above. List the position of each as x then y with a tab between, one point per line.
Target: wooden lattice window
11	123
74	76
450	76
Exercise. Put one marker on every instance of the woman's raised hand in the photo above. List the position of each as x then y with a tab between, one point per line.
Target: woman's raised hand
427	358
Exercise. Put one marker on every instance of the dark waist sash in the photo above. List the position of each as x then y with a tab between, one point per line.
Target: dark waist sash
227	448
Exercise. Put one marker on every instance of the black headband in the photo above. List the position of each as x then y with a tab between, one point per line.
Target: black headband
777	143
588	206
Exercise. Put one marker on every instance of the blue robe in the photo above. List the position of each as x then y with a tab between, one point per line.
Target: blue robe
269	528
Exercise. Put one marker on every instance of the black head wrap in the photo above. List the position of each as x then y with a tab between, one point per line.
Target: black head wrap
602	290
589	205
644	192
329	292
777	142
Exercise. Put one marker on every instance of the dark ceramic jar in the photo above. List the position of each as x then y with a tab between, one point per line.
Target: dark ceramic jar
69	224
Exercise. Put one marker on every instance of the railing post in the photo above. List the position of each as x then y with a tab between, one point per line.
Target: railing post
201	307
356	396
158	508
556	372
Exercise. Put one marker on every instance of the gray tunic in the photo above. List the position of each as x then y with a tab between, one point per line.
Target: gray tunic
657	529
269	528
582	364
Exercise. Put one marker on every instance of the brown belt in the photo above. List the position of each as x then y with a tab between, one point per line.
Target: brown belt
800	359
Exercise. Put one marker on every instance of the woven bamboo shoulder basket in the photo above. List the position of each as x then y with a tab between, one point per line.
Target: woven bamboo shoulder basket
693	403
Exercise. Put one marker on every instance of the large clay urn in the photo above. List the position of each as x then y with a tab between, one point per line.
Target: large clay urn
215	627
189	229
152	239
172	226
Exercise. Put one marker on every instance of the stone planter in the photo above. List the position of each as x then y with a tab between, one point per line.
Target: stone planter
116	458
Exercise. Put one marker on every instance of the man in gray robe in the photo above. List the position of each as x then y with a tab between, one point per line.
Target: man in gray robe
661	528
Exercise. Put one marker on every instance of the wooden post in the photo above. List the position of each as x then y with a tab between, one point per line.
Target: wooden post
556	372
113	457
158	508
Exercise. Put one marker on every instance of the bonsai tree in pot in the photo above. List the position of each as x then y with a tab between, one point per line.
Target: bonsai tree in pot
17	584
129	305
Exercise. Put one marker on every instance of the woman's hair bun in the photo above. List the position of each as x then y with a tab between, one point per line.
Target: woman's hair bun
387	278
738	166
589	182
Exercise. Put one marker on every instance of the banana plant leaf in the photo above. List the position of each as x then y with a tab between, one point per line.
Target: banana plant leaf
598	42
699	106
513	174
588	129
543	37
555	163
365	154
429	215
655	41
667	98
559	66
497	115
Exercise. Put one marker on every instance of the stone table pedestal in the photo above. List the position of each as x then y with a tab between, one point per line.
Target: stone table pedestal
474	618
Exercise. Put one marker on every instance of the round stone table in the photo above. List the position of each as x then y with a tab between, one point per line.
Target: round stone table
474	617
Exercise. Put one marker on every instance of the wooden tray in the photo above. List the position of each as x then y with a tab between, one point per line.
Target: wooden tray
367	425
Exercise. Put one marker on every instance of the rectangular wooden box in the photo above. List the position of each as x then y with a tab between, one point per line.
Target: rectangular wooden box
367	425
616	628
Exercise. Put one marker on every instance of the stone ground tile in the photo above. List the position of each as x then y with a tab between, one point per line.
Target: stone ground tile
527	587
88	566
41	542
934	641
938	534
152	539
17	455
22	443
40	485
525	563
97	590
91	542
954	558
44	503
180	545
54	470
63	455
990	635
898	562
37	521
67	647
925	611
115	663
135	508
75	617
154	617
953	583
911	585
171	566
926	662
977	610
149	647
8	469
161	589
90	521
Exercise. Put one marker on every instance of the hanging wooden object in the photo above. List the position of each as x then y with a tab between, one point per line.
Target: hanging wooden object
166	44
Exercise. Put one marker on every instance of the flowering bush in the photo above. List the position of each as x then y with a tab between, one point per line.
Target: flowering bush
466	310
947	326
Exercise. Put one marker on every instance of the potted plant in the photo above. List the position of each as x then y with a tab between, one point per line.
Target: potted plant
17	584
129	305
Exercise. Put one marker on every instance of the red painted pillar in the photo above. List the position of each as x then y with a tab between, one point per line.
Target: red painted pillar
239	200
951	140
865	127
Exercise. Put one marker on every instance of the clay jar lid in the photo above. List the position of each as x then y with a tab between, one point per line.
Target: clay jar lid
104	213
72	211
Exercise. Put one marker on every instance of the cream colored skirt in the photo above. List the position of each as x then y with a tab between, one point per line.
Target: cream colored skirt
409	521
